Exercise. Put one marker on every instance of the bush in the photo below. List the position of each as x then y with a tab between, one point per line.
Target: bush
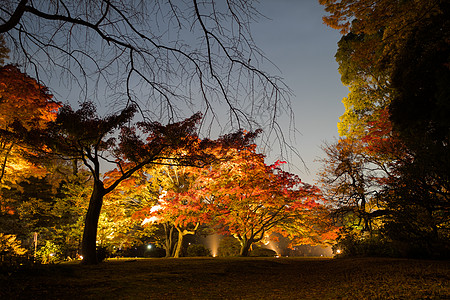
49	254
102	253
198	250
262	252
155	252
229	246
353	245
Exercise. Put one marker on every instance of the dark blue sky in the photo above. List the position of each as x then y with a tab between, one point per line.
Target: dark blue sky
295	39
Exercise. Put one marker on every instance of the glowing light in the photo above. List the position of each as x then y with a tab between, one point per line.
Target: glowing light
160	206
81	257
149	246
272	246
338	251
153	219
212	242
155	208
162	195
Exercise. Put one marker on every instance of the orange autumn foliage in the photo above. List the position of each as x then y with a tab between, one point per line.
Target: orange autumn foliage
27	104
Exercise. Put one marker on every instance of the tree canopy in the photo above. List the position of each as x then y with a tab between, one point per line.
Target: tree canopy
25	103
394	56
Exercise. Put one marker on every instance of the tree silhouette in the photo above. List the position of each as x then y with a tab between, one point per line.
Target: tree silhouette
162	55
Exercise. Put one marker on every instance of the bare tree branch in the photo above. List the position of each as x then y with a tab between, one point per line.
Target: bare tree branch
171	58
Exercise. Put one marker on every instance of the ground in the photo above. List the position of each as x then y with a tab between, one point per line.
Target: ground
233	278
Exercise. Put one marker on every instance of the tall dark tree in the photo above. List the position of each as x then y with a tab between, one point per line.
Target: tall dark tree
420	113
406	124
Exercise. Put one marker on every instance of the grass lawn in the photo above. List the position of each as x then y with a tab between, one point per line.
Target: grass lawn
233	278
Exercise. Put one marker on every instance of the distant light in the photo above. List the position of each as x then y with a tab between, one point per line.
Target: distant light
52	254
338	251
149	246
81	257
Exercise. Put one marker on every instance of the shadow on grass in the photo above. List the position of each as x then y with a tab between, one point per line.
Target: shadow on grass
233	278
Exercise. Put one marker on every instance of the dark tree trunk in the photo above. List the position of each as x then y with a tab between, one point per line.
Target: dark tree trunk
88	244
245	247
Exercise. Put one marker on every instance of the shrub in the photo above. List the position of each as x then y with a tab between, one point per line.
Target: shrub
229	246
262	252
352	245
198	250
50	253
102	253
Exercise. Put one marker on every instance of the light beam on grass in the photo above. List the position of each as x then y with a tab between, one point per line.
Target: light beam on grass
212	242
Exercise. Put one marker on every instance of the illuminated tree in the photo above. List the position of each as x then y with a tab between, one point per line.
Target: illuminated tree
117	228
250	200
53	206
9	245
26	102
175	208
375	31
162	55
84	136
181	205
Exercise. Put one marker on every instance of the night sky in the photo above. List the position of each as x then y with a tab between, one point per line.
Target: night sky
302	48
295	39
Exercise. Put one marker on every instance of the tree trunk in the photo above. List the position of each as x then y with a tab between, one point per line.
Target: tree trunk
245	247
88	244
179	244
168	243
181	234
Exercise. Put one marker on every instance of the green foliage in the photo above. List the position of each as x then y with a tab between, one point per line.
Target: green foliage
198	250
395	59
50	253
228	246
51	206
